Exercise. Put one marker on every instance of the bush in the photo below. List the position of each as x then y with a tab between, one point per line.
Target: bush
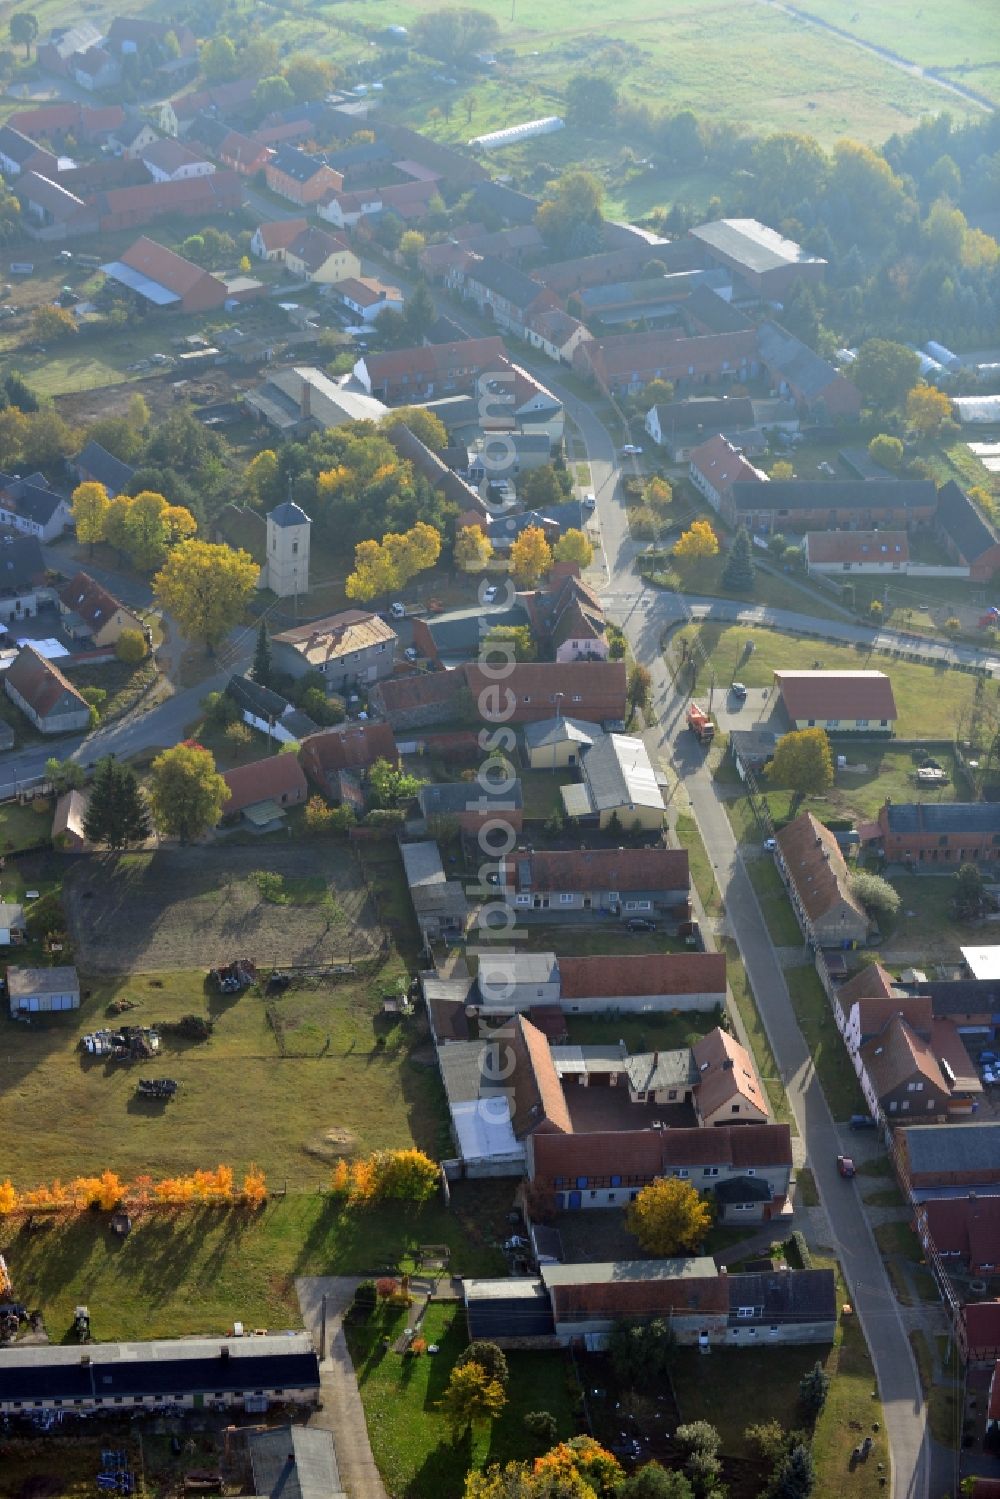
131	647
365	1299
489	1357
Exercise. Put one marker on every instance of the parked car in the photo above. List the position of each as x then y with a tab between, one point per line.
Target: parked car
640	924
588	502
862	1121
631	450
845	1165
411	653
770	845
738	689
490	594
397	610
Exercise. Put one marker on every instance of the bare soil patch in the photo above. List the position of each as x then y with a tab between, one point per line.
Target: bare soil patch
197	907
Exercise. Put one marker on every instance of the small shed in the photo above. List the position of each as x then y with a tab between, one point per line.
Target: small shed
12	924
39	991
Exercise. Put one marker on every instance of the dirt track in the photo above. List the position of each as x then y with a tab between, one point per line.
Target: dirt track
196	907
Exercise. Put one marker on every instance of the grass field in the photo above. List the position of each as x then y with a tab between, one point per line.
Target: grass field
767	1067
772	898
411	1440
195	1271
776	592
929	700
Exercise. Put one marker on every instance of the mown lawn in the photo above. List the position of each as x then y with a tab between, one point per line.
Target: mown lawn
665	1032
763	1056
194	1271
411	1440
833	1065
929	700
772	898
702	874
291	1080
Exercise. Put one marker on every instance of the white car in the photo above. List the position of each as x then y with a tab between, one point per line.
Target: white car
397	610
770	844
411	653
630	450
588	502
490	594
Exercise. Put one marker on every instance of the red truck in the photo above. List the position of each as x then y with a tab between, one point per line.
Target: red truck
700	723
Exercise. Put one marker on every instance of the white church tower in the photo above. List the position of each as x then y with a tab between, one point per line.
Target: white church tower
287	568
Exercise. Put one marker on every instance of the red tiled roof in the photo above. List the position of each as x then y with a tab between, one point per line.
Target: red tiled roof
420	690
600	869
642	973
871	982
264	780
969	1226
623	1153
633	1298
897	1054
827	695
162	265
279	235
982	1327
721	464
816	866
875	1012
857	546
353	748
35	122
314	247
725	1072
538	1102
599	685
90	600
434	359
222	97
40	682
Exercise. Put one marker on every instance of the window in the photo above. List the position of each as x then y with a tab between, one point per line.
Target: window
566	900
905	1104
616	1181
710	1171
751	1171
862	723
681	1171
577	697
522	900
735	1108
613	895
611	1197
833	723
930	1103
744	1312
581	1182
915	1087
892	1107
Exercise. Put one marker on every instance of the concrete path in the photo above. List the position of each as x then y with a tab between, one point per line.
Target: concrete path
342	1412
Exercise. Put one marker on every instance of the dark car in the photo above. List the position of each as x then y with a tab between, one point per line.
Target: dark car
863	1121
640	924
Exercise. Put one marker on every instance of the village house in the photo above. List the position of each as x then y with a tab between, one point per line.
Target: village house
40	991
472	806
866	552
439	904
819	883
939	1160
567	616
501	291
681	426
95	70
132	136
225	100
95	465
44	695
623	263
842	702
555	333
619	786
303	399
966	534
90	613
349	747
165	279
977	1332
68	820
271	241
764	260
641	983
31	508
355	648
964	1229
642	882
300	178
262	791
51	211
592	690
364	297
623	363
832	505
715	466
609	1169
64	42
900	1074
938	832
239	1373
23	584
407	375
321	258
20	154
166	160
268	712
815	386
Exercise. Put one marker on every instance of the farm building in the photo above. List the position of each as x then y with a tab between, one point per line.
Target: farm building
38	991
495	140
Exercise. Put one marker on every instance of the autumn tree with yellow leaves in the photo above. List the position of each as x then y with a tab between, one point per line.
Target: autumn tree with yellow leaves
530	556
384	567
473	549
402	1175
697	543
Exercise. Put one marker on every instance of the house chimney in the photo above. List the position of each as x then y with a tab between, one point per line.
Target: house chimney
224	1353
656	1059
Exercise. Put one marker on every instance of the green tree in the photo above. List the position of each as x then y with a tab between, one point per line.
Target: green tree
218	59
419	311
545	486
64	775
308	77
426	425
885	372
876	894
803	762
273	94
970	891
238	737
796	1476
654	1482
206	588
738	571
23	29
668	1217
187	794
639	685
886	450
262	478
453	34
814	1388
262	666
518	637
570	219
131	647
640	1352
768	1438
389	784
542	1427
471	1396
117	814
591	102
701	1443
489	1357
574	546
